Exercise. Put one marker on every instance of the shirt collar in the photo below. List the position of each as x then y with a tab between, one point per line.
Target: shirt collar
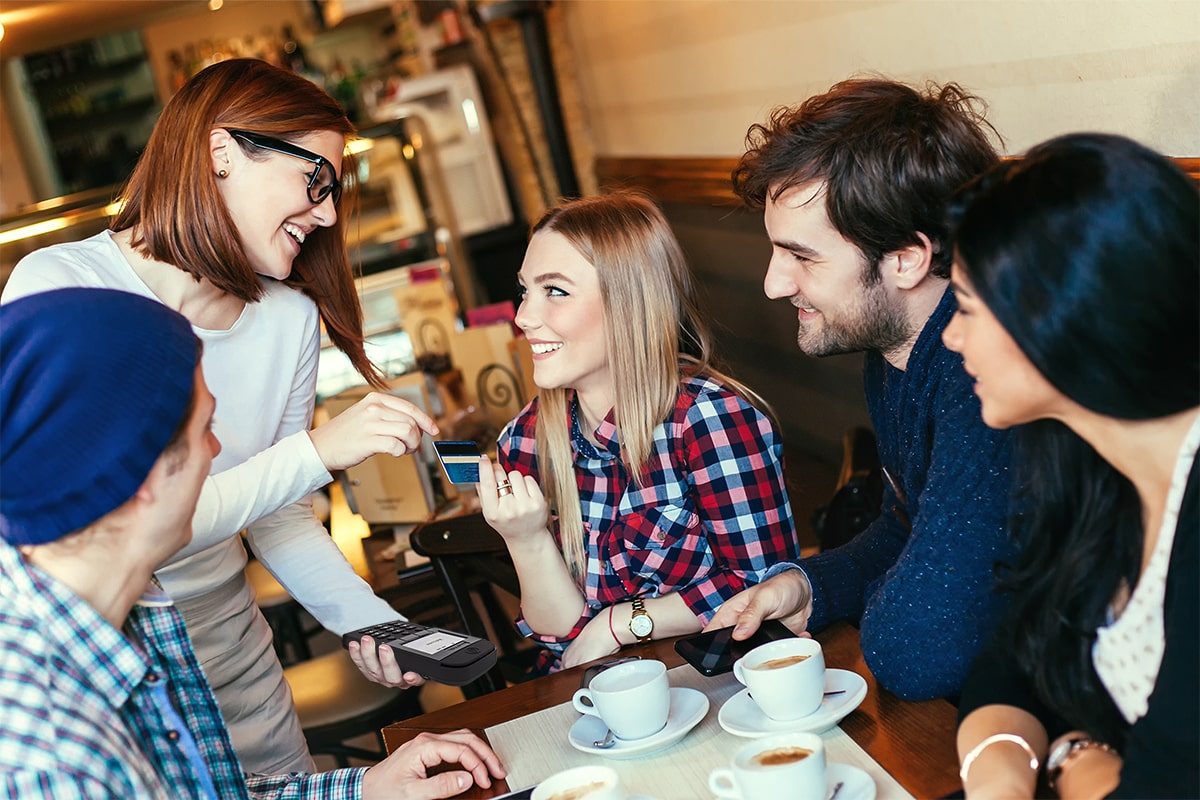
605	434
75	634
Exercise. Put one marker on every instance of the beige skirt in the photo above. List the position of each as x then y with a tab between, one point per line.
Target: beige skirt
233	643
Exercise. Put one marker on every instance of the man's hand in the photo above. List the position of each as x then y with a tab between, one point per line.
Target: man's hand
786	597
405	773
379	665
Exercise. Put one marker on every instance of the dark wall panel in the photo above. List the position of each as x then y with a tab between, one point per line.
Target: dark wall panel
816	399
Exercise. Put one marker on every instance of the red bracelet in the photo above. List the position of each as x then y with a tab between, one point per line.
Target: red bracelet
610	626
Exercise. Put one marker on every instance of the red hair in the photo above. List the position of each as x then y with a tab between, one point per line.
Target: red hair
176	212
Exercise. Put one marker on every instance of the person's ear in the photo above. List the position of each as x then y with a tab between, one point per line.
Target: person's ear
907	267
220	144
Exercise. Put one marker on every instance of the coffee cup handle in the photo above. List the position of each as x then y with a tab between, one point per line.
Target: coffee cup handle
739	671
583	703
720	782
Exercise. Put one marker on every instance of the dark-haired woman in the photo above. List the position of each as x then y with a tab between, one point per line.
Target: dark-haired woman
1077	279
231	217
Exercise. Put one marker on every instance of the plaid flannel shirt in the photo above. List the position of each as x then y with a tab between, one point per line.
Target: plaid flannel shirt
78	718
712	515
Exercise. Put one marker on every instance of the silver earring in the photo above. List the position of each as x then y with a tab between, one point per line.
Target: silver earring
224	173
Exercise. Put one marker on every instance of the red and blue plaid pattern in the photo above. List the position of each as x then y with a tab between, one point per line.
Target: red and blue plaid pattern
712	516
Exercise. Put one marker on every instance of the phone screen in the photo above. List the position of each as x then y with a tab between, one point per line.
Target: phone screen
460	460
713	652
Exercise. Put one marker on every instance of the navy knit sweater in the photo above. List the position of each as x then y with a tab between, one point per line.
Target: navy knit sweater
924	600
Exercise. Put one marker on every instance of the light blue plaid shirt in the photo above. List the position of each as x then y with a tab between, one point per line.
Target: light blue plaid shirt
78	714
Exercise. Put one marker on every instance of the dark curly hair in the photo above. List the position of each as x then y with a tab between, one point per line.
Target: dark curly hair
890	157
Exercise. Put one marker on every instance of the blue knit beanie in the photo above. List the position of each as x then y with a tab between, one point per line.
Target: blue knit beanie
93	384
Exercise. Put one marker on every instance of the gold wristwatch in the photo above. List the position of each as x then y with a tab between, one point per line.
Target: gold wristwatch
641	624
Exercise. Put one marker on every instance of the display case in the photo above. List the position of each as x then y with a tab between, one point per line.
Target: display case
451	105
93	105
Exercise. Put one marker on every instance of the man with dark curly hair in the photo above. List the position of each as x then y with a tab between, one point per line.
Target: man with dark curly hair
854	185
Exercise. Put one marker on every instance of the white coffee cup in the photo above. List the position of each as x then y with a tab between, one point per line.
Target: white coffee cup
632	699
786	677
581	783
788	765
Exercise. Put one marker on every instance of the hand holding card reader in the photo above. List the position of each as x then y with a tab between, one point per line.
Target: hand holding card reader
435	653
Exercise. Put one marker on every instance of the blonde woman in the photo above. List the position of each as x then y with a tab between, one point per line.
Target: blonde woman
642	488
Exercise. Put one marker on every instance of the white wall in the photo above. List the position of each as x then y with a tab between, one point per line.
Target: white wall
687	77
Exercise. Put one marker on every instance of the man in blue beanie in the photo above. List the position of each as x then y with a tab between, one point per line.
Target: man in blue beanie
105	442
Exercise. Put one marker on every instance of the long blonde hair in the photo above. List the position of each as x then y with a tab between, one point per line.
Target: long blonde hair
645	286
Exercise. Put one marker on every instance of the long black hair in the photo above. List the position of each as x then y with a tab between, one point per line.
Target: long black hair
1087	252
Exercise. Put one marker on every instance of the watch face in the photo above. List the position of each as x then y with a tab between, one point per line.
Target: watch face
641	625
1060	752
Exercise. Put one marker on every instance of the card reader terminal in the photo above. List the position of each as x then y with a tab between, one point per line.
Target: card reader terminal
435	653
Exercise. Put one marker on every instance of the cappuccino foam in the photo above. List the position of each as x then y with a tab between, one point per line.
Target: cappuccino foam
578	792
780	663
780	756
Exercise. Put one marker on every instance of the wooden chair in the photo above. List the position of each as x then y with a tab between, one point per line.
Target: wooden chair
336	703
856	499
472	560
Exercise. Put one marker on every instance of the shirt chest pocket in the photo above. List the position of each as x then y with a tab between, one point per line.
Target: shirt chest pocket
655	524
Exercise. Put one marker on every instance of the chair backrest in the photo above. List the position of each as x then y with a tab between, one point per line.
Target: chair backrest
856	500
469	557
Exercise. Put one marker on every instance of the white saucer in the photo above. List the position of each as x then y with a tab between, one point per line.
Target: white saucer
741	716
856	784
688	707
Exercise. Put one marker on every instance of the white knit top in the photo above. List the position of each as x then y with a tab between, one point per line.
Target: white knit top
1129	650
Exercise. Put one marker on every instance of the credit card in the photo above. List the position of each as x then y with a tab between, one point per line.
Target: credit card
460	460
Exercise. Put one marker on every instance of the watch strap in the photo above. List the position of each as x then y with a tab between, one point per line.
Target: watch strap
1059	759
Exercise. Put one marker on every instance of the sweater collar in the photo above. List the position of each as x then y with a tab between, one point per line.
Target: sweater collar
929	343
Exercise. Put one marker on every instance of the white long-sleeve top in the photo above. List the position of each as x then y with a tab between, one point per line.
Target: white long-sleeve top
262	372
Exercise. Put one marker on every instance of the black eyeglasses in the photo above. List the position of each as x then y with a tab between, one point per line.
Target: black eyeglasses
324	180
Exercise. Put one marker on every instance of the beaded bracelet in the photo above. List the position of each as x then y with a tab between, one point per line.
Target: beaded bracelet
969	759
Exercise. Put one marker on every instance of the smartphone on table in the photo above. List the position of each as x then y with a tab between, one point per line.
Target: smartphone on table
713	652
460	461
522	794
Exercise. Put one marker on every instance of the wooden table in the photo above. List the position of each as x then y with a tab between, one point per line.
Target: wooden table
912	741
